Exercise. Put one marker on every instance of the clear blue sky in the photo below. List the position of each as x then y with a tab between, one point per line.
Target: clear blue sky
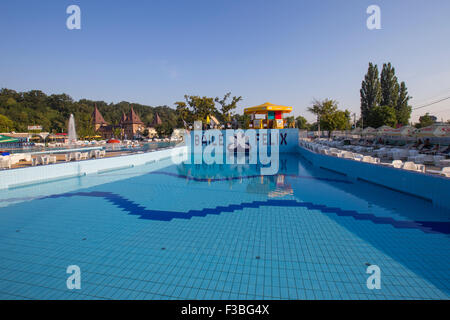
287	52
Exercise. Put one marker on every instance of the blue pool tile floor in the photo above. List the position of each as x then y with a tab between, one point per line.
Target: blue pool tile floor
221	232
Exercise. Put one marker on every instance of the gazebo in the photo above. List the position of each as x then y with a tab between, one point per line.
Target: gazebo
273	116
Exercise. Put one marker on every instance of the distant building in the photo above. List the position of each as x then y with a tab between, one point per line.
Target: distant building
152	129
179	133
156	121
23	139
102	127
152	132
130	125
21	136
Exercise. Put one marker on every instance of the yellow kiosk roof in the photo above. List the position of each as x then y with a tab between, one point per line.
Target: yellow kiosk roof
266	107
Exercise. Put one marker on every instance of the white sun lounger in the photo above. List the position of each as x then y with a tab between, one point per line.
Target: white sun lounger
5	162
370	159
395	164
411	166
444	172
399	154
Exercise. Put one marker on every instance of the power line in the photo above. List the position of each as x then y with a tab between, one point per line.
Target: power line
436	96
431	103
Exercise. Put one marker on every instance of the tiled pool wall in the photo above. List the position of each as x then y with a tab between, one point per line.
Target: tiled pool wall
287	138
31	175
430	187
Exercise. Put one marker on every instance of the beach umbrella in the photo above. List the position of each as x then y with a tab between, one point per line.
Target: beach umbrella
6	139
384	131
442	130
403	131
426	132
369	131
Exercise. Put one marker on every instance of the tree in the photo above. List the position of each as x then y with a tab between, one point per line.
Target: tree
302	123
117	132
185	115
290	121
389	86
84	125
330	118
10	102
402	109
425	121
318	109
384	92
314	126
164	130
227	108
241	120
370	91
6	125
202	107
383	116
338	120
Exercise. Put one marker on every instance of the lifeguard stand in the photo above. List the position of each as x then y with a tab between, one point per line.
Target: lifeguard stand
273	116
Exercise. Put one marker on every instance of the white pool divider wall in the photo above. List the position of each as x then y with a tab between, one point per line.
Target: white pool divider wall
287	139
32	175
431	187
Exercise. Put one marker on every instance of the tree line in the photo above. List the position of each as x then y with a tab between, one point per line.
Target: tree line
18	110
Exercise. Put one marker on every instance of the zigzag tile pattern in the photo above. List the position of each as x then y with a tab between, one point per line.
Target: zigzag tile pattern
163	215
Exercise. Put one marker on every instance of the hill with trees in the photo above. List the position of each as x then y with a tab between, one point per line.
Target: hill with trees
18	110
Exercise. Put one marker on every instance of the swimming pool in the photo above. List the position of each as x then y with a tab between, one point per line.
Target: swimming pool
164	231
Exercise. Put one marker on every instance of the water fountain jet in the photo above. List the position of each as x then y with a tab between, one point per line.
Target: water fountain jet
72	133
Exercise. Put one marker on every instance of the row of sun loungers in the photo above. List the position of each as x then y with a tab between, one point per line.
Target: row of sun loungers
414	161
78	143
77	156
6	162
9	160
406	153
43	160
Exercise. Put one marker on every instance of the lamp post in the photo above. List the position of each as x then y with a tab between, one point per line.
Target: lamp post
318	124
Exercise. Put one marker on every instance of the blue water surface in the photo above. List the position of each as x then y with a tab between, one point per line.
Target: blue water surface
165	231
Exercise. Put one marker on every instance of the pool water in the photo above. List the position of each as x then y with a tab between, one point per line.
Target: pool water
165	231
